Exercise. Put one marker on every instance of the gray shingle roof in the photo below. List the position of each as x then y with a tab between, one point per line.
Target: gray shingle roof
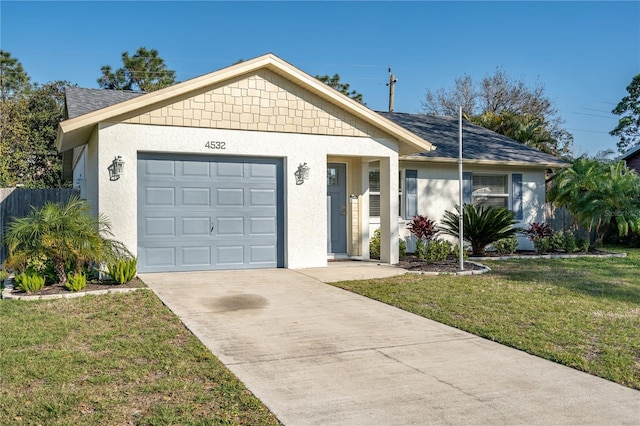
478	143
81	101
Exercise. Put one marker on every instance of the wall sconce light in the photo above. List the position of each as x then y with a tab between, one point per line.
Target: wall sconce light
116	169
301	174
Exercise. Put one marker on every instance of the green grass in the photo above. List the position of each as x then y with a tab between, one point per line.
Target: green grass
584	313
112	360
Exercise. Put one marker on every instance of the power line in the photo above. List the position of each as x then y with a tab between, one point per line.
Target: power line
588	131
592	115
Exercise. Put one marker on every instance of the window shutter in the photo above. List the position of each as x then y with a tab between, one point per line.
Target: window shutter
516	183
411	193
467	187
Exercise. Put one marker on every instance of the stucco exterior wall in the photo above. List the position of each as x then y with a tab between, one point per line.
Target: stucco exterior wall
438	191
305	205
263	101
93	174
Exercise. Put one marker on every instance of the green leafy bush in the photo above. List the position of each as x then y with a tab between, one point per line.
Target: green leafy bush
123	270
402	248
482	225
437	250
374	245
506	245
556	241
76	282
29	281
582	244
420	249
3	275
570	245
456	252
542	244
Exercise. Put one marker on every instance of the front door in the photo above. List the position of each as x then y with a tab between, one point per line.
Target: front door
337	208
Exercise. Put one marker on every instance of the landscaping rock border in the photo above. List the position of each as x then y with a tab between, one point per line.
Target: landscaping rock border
7	292
551	256
484	269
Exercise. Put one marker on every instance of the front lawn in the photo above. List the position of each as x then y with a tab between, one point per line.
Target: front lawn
113	360
584	313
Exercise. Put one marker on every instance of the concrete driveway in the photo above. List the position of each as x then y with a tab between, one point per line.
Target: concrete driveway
319	355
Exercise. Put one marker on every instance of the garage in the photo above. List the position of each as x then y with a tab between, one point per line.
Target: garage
209	213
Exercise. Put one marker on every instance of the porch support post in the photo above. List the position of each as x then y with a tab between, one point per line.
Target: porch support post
389	210
364	210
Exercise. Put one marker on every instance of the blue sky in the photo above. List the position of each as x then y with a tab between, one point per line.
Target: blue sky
584	53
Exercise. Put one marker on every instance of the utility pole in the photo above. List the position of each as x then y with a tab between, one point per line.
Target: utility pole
392	82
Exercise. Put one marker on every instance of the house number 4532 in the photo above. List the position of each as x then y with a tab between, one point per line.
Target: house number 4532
215	145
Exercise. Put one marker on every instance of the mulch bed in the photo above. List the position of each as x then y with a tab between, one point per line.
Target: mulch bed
91	286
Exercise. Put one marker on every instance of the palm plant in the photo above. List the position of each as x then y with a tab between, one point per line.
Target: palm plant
482	225
66	235
598	193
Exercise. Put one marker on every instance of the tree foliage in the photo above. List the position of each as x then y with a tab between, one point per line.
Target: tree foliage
599	193
143	71
341	87
14	80
29	118
506	106
628	128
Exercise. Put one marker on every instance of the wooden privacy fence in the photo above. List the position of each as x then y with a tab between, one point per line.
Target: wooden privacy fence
17	202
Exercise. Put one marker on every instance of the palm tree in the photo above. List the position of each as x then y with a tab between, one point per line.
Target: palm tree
482	225
598	193
530	130
66	235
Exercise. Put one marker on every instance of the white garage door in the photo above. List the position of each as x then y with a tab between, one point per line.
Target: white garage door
205	213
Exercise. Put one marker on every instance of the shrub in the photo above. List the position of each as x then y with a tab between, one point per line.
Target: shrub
374	245
76	282
422	227
556	241
542	244
506	245
437	250
123	270
483	225
402	248
456	253
582	244
538	230
29	281
570	245
420	249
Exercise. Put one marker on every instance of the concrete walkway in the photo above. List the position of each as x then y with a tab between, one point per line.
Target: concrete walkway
319	355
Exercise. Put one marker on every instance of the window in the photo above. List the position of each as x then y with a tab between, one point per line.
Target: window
491	190
374	192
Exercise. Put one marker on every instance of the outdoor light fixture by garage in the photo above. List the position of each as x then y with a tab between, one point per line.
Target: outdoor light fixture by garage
301	174
116	168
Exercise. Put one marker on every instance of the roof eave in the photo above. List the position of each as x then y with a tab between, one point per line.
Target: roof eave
448	160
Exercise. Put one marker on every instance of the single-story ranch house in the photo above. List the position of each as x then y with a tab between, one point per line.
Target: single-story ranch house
260	165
